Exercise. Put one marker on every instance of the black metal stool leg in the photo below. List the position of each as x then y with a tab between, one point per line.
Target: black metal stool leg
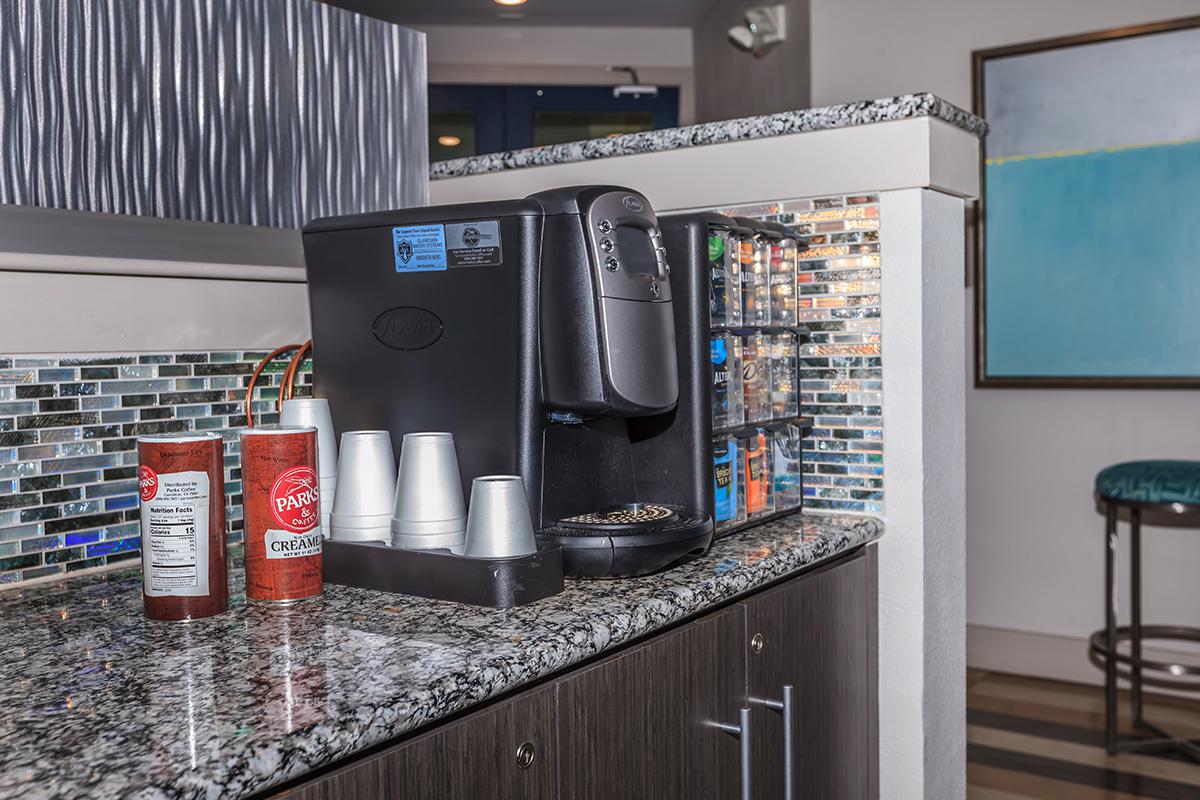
1135	607
1110	614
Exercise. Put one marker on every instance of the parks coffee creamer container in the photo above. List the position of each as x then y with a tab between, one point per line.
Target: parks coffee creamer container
181	486
282	507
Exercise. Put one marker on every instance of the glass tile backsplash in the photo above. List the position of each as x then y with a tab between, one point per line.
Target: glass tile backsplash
68	453
68	423
841	371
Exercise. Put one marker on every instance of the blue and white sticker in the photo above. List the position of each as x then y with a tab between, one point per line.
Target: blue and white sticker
419	248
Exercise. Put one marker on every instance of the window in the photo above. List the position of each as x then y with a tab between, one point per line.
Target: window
471	120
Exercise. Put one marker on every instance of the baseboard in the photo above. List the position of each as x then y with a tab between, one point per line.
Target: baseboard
1040	655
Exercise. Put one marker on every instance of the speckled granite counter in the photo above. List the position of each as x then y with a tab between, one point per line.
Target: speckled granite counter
886	109
100	702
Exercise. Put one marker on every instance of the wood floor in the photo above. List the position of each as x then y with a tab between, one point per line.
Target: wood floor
1031	738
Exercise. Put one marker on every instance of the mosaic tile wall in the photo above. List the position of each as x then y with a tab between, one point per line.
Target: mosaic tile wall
68	454
68	459
840	368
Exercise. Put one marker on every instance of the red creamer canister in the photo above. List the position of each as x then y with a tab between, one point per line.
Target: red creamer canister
282	511
181	487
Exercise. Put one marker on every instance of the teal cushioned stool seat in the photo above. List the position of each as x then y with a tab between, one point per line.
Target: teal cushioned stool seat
1151	482
1159	487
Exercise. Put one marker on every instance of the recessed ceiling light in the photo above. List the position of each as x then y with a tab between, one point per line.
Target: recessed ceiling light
510	2
449	141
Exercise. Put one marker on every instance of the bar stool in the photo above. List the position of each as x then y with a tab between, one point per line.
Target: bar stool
1160	486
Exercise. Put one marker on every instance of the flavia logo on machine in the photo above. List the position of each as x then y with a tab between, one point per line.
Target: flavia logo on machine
631	202
408	328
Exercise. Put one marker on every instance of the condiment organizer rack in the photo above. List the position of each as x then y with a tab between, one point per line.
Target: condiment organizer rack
755	336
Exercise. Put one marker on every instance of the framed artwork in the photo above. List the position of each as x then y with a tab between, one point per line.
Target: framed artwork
1088	262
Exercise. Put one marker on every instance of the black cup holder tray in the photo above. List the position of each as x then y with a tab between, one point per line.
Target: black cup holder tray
441	575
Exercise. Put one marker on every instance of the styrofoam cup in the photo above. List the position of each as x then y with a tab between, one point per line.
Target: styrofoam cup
366	484
314	412
428	511
498	524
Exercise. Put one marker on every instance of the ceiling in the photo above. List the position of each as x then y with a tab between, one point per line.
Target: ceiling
635	13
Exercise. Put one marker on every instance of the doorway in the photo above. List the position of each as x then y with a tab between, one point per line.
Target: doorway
467	120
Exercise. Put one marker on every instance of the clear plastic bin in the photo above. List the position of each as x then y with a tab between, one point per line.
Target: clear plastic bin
755	264
783	282
785	397
756	377
729	507
756	460
727	400
787	467
725	279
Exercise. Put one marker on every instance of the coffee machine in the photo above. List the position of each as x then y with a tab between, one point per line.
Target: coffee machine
541	333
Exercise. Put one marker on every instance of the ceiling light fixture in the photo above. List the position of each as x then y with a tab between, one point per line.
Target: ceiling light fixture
510	2
765	29
449	141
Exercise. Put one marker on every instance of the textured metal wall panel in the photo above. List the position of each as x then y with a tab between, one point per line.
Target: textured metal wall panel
263	112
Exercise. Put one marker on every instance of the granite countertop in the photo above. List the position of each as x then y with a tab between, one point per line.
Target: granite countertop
885	109
100	702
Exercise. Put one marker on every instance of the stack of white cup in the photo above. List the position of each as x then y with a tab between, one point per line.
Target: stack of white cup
428	512
314	412
422	509
362	507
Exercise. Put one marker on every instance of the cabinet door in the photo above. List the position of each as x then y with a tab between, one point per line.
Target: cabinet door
815	635
503	752
639	725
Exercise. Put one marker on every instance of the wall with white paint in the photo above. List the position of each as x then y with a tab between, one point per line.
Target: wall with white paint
878	48
732	83
1034	550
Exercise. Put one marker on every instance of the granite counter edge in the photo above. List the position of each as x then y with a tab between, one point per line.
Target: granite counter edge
884	109
376	725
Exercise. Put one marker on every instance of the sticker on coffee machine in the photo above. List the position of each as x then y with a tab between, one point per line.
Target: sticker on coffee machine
419	248
474	244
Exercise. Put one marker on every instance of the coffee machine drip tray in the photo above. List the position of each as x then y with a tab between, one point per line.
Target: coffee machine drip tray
623	516
627	540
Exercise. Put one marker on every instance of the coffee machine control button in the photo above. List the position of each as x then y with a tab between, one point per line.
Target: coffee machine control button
611	264
604	225
606	245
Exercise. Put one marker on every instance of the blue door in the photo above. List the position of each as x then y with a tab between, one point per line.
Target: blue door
471	120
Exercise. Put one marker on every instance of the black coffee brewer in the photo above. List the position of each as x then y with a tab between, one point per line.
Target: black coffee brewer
541	333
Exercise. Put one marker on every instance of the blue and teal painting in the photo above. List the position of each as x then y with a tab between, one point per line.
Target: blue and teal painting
1092	210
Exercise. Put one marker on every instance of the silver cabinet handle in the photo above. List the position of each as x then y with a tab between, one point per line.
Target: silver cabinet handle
741	732
786	707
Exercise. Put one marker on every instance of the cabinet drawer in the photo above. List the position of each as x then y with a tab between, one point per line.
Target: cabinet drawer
503	752
638	725
814	632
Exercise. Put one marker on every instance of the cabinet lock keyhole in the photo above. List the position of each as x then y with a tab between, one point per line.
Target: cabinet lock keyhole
525	754
757	643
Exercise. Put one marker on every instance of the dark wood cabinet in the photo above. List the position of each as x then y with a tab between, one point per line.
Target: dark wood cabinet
813	634
504	752
643	723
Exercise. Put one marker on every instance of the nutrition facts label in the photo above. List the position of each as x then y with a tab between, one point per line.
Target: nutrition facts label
175	536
